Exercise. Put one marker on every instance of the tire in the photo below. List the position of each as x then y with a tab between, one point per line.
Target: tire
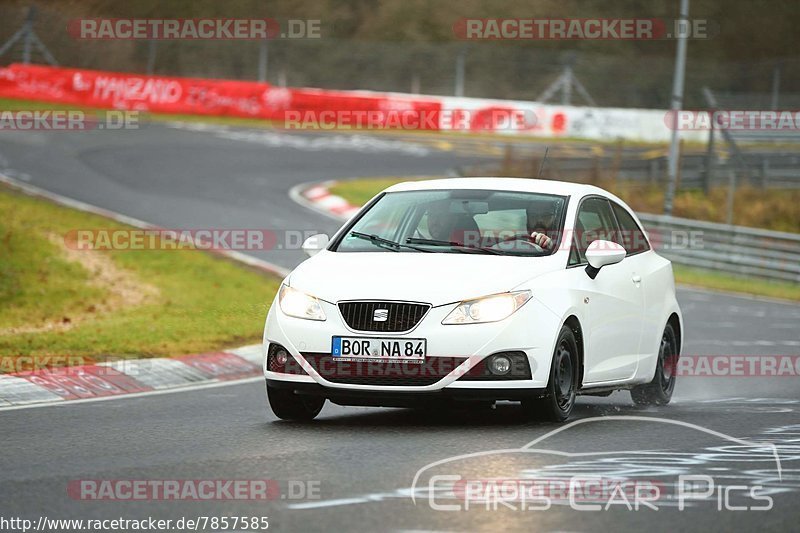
659	391
290	406
562	385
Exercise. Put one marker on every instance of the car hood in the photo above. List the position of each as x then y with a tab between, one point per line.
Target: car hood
435	278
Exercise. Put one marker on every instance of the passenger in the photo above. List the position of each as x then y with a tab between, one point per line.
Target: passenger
460	228
438	226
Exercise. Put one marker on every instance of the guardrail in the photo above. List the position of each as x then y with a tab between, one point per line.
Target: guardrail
734	249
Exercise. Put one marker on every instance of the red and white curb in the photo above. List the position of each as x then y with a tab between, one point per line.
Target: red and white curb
336	205
129	376
317	196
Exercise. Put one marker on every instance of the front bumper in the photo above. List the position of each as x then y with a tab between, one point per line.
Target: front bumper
392	398
531	330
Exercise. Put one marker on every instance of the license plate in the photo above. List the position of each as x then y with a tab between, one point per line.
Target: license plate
379	349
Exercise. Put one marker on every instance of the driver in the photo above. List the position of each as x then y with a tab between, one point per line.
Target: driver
541	226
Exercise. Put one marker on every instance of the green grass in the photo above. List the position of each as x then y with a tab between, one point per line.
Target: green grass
709	279
9	104
773	209
195	301
359	191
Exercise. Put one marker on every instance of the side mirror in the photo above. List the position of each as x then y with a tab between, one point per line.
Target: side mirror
602	253
315	244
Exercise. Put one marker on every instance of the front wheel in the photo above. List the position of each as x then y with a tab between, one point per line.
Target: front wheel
290	406
659	391
562	386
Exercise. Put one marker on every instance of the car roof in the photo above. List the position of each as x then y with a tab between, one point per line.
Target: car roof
563	188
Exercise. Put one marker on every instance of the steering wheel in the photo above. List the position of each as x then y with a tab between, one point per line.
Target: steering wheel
522	238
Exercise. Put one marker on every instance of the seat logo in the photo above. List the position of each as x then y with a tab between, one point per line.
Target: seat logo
380	315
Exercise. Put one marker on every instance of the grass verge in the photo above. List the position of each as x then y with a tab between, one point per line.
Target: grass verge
55	300
773	209
710	279
10	104
360	191
357	192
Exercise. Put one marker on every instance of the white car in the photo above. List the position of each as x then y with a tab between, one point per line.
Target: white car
476	289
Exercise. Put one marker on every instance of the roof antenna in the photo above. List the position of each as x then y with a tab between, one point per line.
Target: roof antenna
544	159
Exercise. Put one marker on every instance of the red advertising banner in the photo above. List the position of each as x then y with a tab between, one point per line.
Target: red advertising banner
297	108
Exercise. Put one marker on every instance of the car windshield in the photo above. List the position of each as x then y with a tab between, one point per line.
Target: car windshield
458	221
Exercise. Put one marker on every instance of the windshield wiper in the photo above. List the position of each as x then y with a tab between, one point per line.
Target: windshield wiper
385	243
457	245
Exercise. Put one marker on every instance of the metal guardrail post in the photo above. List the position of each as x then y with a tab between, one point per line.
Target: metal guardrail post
708	172
712	102
152	47
263	59
675	105
29	40
731	197
461	58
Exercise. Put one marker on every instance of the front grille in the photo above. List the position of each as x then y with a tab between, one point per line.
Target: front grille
400	316
397	374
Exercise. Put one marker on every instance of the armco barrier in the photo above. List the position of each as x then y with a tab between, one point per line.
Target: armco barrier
734	249
115	90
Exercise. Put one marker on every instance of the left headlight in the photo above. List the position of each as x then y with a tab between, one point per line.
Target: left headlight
487	309
299	304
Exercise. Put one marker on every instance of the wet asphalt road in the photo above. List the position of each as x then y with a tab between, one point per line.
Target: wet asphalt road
362	461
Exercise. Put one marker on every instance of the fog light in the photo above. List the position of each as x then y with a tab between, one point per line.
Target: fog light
500	365
281	357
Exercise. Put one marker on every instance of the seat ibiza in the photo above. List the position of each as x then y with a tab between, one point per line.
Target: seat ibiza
476	290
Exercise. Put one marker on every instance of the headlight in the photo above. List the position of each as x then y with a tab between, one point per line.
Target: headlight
299	304
487	309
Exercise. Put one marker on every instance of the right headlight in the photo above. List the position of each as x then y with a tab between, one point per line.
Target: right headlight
492	308
299	304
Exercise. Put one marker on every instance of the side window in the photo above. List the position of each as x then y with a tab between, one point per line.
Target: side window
633	238
595	222
574	258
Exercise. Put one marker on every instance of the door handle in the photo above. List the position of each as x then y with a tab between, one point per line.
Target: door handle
637	278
